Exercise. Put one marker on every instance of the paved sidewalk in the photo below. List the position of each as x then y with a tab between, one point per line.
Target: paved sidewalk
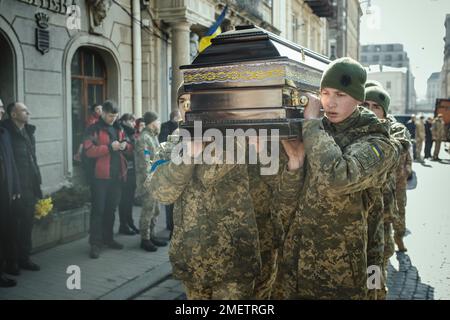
117	274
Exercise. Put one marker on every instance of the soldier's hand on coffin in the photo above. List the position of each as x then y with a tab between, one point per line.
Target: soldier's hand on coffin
194	148
312	110
295	151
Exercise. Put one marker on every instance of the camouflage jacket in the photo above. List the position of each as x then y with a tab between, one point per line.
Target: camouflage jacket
215	236
438	130
382	205
325	248
404	167
145	155
225	220
420	130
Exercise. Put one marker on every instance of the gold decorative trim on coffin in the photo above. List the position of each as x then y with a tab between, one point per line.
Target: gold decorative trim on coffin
254	72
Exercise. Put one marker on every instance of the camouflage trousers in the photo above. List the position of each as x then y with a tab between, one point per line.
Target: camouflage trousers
264	282
437	148
222	291
389	250
399	222
149	215
419	145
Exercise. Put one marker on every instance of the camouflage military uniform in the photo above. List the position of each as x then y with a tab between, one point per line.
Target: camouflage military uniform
215	246
403	172
400	133
146	147
420	137
325	247
400	138
270	228
438	133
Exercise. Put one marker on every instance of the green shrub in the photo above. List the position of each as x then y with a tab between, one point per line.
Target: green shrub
70	198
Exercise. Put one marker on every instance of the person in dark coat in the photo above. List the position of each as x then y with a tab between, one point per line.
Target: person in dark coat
24	149
127	227
167	128
9	191
428	137
411	126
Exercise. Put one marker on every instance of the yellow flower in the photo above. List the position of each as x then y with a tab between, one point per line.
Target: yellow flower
43	208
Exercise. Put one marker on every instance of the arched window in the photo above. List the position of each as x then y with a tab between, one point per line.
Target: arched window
88	88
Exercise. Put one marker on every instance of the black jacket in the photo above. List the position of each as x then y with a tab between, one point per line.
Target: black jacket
428	136
9	178
167	128
24	149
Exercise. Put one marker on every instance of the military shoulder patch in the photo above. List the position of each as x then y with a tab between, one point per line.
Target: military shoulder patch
369	155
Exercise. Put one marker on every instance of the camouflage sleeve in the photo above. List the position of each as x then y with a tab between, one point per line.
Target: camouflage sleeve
209	175
168	181
408	163
350	170
141	170
375	228
389	199
401	134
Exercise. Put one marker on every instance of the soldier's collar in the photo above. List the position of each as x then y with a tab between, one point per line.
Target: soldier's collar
347	123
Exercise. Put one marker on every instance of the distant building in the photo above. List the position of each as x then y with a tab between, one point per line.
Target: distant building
433	87
344	29
395	81
391	55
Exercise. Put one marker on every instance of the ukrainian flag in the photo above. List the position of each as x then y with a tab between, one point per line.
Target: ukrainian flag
212	32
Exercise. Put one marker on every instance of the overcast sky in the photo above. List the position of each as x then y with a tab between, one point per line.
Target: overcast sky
417	24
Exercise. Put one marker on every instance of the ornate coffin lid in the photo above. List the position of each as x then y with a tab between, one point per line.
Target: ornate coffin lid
253	56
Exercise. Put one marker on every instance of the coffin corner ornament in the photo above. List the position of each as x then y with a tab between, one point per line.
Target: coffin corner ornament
42	33
251	78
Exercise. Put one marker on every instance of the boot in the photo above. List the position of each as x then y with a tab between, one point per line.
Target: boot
133	227
126	231
147	245
29	265
400	244
7	282
158	242
95	252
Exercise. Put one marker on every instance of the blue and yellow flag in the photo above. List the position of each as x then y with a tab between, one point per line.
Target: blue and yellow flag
212	32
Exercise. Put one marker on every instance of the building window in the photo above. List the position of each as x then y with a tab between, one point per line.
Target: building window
390	47
377	48
388	85
365	49
88	88
376	58
388	57
363	59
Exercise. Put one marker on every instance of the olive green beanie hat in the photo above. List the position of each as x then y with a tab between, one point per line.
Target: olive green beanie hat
371	83
378	95
346	75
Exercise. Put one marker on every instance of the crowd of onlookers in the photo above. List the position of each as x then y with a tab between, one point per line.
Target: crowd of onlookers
111	164
425	133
